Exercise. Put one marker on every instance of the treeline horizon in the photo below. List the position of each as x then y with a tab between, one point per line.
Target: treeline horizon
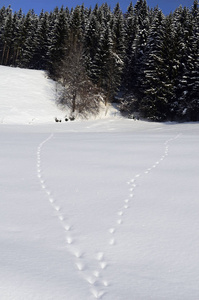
143	59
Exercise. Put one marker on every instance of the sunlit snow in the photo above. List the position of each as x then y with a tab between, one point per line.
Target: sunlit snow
100	209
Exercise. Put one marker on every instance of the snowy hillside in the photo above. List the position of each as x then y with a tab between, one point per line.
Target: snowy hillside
101	209
28	97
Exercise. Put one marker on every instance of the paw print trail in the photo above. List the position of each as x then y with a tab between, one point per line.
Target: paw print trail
133	185
92	278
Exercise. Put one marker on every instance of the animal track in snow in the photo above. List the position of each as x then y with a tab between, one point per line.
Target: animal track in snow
97	294
112	242
61	218
112	230
95	277
120	213
96	274
103	265
132	183
57	208
105	283
119	222
67	227
51	200
69	240
79	265
78	254
100	256
91	280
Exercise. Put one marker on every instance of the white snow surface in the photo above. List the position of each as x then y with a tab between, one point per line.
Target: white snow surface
29	97
100	209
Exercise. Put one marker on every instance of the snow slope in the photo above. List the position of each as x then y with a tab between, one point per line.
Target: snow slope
29	97
104	209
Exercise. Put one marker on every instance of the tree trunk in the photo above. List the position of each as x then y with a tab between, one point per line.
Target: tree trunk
15	56
7	56
74	102
4	49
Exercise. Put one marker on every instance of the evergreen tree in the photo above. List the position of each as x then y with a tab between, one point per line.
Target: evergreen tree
192	110
27	39
76	31
156	57
109	54
108	64
41	43
102	60
118	50
155	81
17	23
141	12
182	45
7	38
130	31
59	35
91	46
2	25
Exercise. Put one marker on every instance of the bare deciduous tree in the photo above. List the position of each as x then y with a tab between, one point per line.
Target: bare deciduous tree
79	93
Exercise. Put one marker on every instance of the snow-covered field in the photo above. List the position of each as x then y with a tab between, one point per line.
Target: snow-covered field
102	209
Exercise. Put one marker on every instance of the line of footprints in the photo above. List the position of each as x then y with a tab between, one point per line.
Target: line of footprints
133	185
96	281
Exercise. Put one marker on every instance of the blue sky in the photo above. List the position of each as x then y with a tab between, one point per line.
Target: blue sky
165	5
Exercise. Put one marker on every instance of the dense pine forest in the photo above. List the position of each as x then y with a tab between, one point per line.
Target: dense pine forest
144	60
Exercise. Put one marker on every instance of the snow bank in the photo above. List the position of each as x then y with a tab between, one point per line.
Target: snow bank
29	97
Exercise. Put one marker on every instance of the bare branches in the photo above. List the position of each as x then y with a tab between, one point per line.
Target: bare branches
79	92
